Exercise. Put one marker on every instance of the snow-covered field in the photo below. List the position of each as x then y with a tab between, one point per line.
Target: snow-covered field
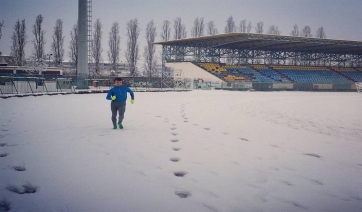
231	151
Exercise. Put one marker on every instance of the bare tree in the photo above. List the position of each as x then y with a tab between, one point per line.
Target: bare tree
150	50
249	27
184	32
180	29
259	28
198	29
321	33
132	54
274	30
306	32
1	26
58	42
295	31
230	25
73	46
242	26
97	45
38	40
18	42
114	45
211	28
166	31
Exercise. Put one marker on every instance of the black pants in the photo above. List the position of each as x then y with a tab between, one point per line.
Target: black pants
119	107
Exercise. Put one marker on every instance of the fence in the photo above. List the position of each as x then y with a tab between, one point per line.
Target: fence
22	85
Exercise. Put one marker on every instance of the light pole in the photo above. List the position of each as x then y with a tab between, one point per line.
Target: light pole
82	66
48	57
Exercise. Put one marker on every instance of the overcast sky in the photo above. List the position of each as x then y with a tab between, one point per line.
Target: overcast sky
341	19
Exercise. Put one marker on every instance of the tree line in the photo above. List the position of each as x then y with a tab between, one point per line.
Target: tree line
199	29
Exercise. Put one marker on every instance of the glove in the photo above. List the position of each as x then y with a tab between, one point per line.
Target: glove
132	101
113	98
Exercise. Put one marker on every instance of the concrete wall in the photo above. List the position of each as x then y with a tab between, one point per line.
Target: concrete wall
189	70
283	86
323	86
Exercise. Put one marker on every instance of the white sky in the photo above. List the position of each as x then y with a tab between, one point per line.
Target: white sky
241	151
341	19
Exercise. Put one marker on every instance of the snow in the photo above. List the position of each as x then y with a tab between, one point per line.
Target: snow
239	151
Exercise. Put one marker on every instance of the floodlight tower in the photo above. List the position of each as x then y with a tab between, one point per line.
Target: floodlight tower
90	40
82	66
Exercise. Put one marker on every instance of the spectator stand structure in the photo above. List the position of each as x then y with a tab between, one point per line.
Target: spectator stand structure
272	59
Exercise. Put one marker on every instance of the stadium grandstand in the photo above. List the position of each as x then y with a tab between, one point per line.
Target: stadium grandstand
267	62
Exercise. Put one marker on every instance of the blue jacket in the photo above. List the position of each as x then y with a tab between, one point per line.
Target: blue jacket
120	92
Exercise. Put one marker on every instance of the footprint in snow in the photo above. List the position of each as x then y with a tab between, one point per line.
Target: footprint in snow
313	155
174	140
5	205
298	205
206	128
4	154
26	189
183	194
176	149
174	134
180	174
173	128
175	159
19	168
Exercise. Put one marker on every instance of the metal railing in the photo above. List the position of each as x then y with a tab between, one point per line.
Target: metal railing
32	85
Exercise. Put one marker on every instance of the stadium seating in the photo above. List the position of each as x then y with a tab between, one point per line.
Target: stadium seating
304	68
313	75
351	73
231	78
272	74
283	73
213	67
251	75
234	66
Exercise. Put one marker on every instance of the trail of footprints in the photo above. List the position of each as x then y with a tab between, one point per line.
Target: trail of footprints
27	188
181	194
186	194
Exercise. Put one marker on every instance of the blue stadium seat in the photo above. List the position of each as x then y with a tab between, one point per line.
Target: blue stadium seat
354	75
308	76
272	74
255	76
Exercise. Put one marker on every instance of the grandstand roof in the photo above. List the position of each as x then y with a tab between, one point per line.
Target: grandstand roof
265	42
